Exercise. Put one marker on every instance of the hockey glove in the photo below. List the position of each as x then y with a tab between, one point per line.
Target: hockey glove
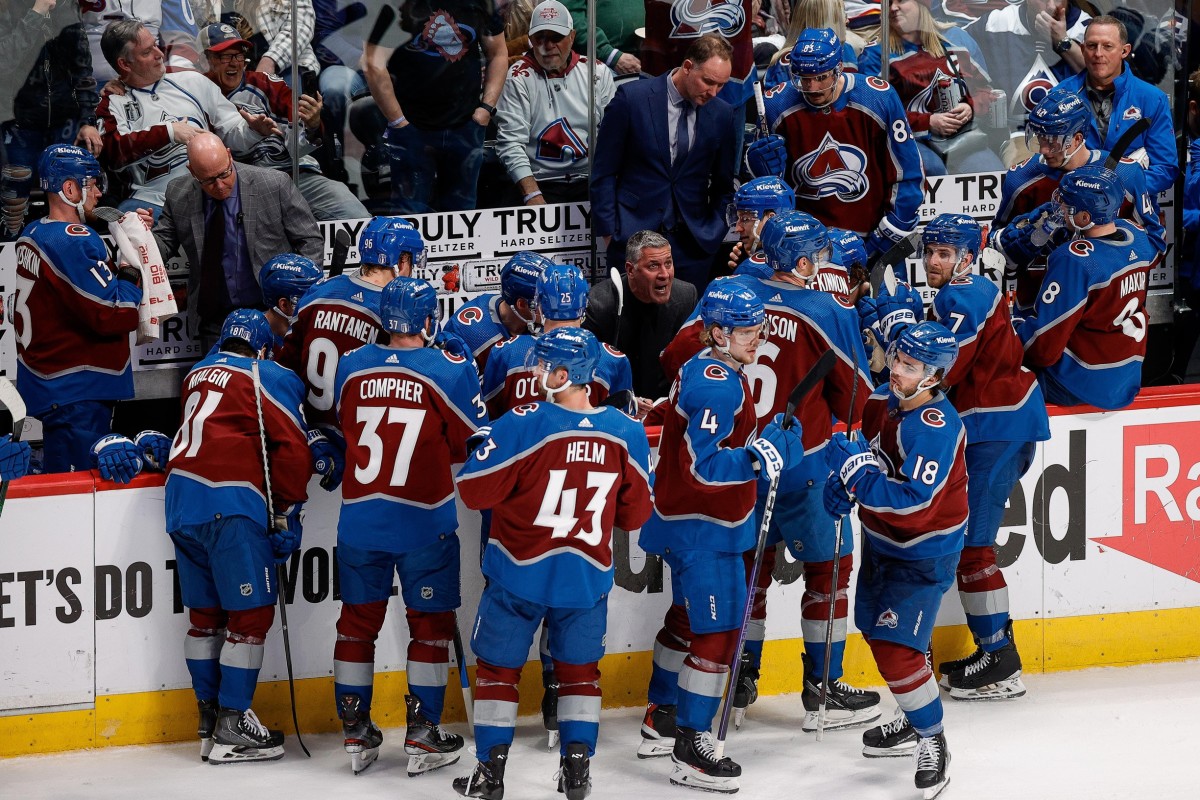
452	343
767	156
835	498
776	448
155	449
286	533
478	438
898	311
14	459
328	460
879	242
118	459
849	460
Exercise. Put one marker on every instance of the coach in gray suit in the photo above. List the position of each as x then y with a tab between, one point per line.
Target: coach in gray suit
229	219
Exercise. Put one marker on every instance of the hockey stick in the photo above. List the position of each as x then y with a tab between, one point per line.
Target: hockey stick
463	678
614	275
1124	140
279	571
890	280
341	249
806	385
761	108
892	258
11	399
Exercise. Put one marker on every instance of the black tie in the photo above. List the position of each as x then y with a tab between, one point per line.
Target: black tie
682	140
214	297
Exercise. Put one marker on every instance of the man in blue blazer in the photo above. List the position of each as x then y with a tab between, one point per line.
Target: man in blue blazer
664	161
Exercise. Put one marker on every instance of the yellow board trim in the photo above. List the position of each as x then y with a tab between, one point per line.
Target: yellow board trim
1047	645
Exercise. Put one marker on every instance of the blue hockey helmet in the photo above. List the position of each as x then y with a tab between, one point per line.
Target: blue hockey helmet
385	239
848	248
730	304
519	276
1095	189
817	51
792	235
249	326
407	304
955	230
575	349
760	196
562	293
1057	118
287	275
60	163
929	343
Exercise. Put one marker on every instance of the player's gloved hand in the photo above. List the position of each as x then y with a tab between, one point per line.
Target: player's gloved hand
777	448
898	311
868	316
452	343
767	156
879	242
118	459
835	498
14	459
155	448
478	438
286	533
849	460
130	273
328	460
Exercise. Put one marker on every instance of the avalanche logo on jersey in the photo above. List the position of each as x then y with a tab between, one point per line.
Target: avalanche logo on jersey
1033	87
470	315
1082	248
559	144
934	418
833	169
694	18
443	37
925	101
714	373
888	619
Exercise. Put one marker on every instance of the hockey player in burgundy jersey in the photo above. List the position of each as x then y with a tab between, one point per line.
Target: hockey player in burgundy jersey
559	301
558	476
1087	339
406	409
342	313
908	474
235	405
1004	415
710	464
491	318
73	313
844	143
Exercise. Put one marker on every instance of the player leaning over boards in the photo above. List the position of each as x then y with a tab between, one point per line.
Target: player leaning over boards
908	474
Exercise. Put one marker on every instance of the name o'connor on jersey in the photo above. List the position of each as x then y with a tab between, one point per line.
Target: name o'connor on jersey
347	324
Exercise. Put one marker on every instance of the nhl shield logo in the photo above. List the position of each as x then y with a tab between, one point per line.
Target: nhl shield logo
888	619
426	592
247	590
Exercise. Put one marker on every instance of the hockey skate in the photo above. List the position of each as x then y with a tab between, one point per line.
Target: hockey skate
487	781
574	772
746	692
892	739
958	665
550	708
696	767
845	706
933	762
658	731
363	736
208	723
996	675
427	745
239	737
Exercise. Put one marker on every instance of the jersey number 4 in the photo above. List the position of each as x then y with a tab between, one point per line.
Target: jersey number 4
558	506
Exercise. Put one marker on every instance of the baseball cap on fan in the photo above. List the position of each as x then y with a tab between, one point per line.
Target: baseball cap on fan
553	16
219	37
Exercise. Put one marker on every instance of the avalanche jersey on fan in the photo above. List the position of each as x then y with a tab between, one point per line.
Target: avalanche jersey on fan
915	505
557	482
478	324
836	157
334	317
997	399
260	93
673	25
72	318
508	383
705	485
216	466
1090	330
406	415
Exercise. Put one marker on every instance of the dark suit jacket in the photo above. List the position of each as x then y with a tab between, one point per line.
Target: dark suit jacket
633	181
276	219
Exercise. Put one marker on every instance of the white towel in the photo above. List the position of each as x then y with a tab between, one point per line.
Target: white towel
136	245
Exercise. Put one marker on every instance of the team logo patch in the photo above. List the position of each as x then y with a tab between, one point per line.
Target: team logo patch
426	592
1133	112
888	619
444	37
833	169
453	358
933	417
614	351
798	545
714	373
558	143
528	408
75	229
470	315
1082	247
1033	89
877	83
724	17
246	589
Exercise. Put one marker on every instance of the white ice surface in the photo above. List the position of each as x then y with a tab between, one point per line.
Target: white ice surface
1127	733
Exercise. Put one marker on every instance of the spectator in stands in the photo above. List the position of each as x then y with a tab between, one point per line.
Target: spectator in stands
259	93
664	161
339	49
815	14
617	44
138	141
229	219
1029	48
1119	99
436	72
516	28
271	21
642	317
47	96
542	121
922	51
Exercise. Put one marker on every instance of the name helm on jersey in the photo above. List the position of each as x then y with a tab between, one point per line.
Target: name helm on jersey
408	305
1057	118
385	239
929	343
792	235
289	276
60	163
251	327
1093	188
817	51
958	231
760	196
561	294
518	280
574	349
